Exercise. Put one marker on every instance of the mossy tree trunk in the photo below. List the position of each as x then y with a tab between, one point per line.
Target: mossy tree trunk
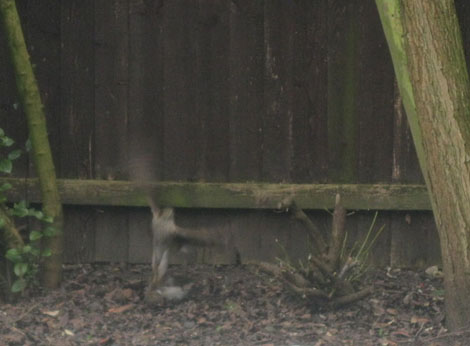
30	98
430	55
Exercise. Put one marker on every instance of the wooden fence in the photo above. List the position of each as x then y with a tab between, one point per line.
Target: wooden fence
220	92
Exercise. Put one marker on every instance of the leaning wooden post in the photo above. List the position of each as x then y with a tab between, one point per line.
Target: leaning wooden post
28	92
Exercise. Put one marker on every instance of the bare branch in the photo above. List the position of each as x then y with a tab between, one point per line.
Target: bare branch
319	242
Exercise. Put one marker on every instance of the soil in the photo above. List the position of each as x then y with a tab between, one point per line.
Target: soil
227	305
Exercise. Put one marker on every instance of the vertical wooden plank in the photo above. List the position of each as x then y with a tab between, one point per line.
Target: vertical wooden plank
246	89
77	116
79	234
140	236
110	125
417	243
77	89
278	116
262	235
213	91
145	113
309	95
111	88
217	223
343	56
374	107
374	98
274	240
182	136
111	235
246	226
379	255
42	33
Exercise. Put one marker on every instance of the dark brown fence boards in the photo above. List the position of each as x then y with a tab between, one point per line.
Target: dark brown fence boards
77	107
374	99
213	90
77	89
343	117
374	109
182	124
42	32
145	114
219	91
246	59
80	234
415	241
278	116
111	54
308	92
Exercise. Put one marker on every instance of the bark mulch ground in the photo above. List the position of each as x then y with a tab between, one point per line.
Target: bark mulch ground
227	305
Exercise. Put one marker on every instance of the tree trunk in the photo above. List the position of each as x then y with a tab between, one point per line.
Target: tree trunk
432	56
30	98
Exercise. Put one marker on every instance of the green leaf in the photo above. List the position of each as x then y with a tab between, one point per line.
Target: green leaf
36	213
7	141
27	249
35	251
18	286
13	255
49	231
35	235
6	166
14	154
47	253
3	198
21	204
48	219
13	252
2	133
5	186
20	210
20	269
2	222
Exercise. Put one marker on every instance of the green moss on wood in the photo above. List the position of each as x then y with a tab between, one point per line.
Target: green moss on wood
228	195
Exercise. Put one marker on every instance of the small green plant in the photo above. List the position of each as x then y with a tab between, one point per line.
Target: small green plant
27	256
330	275
6	164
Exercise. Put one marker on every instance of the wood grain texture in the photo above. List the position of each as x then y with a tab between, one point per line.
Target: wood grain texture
297	92
246	89
230	195
77	99
111	56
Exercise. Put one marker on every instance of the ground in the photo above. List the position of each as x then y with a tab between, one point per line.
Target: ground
227	305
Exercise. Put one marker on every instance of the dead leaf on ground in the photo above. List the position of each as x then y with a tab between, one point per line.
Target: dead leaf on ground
120	309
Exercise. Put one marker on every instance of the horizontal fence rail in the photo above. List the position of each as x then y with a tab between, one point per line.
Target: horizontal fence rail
227	195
